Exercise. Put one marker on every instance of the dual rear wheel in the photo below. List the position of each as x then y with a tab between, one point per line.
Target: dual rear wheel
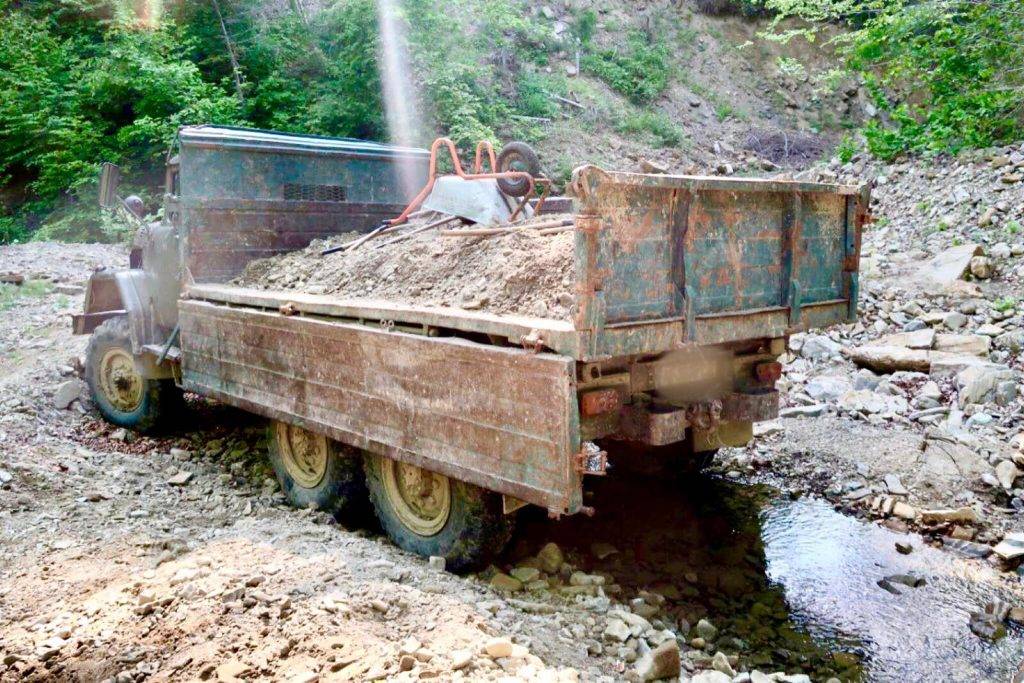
421	511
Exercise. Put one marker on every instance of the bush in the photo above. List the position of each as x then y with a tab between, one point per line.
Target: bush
656	125
640	71
12	230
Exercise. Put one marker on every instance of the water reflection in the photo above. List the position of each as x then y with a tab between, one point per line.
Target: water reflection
791	584
699	543
829	565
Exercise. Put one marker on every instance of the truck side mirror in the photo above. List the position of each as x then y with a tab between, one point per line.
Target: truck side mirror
110	178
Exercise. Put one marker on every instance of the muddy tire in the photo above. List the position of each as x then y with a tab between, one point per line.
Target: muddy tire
319	472
430	514
123	396
517	156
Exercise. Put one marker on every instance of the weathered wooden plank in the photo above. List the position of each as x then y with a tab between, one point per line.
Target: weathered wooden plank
502	418
355	366
558	335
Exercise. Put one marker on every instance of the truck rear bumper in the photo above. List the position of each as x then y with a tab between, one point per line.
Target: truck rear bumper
662	425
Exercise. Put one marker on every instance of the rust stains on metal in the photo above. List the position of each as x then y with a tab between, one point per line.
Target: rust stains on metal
501	418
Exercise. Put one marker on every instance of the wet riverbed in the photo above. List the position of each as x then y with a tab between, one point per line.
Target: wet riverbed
792	584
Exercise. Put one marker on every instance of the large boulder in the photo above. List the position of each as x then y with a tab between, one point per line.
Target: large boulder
978	383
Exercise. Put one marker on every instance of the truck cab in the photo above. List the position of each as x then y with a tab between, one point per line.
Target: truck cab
232	195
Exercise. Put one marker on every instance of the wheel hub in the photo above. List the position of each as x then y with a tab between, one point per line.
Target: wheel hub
304	454
422	499
120	382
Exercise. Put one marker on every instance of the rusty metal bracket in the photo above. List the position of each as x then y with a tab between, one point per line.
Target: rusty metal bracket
591	460
704	415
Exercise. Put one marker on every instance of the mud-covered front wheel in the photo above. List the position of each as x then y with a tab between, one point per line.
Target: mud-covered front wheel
429	514
314	470
124	397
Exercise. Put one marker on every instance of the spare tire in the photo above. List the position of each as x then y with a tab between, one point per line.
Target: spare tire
517	156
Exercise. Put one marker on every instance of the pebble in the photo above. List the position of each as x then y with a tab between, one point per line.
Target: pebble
498	647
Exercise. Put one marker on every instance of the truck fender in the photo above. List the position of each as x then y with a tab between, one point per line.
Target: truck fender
114	293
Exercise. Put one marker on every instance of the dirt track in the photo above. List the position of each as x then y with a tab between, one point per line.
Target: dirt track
132	558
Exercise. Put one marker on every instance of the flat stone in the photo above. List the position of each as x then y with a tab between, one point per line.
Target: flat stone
618	630
819	347
917	339
505	583
461	659
1011	547
180	479
721	663
968	548
803	411
827	387
977	384
904	511
711	676
989	330
525	574
972	344
895	486
704	629
231	671
948	266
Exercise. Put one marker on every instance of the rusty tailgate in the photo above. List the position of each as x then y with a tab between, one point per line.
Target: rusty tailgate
667	260
503	418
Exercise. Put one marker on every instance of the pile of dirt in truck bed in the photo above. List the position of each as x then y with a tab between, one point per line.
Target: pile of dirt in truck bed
520	272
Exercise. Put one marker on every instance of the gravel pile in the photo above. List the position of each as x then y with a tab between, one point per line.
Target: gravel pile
520	272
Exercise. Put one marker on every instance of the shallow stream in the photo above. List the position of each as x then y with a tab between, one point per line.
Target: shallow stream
792	584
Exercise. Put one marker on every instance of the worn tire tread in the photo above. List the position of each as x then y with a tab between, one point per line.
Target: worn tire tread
475	534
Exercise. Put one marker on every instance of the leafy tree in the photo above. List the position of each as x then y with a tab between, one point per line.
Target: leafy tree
945	74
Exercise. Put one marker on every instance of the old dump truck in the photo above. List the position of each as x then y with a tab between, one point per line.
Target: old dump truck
449	420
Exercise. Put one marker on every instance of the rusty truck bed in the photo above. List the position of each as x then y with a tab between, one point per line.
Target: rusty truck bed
662	263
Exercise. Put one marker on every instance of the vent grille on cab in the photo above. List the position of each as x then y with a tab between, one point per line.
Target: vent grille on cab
314	193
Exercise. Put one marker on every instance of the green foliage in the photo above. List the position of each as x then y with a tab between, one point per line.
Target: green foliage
846	149
10	295
1005	304
640	71
944	74
1012	227
657	126
12	230
534	97
583	26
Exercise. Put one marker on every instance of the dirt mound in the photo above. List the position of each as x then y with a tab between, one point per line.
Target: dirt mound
521	272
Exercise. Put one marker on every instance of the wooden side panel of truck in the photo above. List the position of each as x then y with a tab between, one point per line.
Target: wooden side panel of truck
502	418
